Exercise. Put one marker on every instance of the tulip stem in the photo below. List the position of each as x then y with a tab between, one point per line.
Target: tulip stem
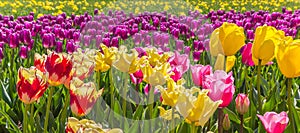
193	128
258	86
48	109
125	93
290	103
220	120
172	121
242	123
150	106
246	77
25	121
31	117
112	99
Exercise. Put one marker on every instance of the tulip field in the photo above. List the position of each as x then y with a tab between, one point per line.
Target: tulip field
157	66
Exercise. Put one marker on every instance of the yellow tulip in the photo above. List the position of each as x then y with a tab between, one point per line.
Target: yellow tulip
171	93
157	75
287	54
265	41
155	59
166	114
198	109
104	60
227	39
230	61
126	62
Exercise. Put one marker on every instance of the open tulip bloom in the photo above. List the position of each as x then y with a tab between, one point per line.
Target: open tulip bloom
273	122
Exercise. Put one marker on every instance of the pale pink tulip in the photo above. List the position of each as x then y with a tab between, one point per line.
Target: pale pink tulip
273	122
182	61
221	87
242	103
199	73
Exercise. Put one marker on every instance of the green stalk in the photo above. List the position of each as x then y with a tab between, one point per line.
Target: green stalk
220	120
242	124
112	99
31	117
290	104
48	109
150	107
125	93
258	87
193	128
246	77
172	121
25	119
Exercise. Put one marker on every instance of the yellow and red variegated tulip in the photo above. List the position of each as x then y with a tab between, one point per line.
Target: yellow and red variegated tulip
287	54
59	67
39	61
31	84
83	64
105	58
83	96
87	126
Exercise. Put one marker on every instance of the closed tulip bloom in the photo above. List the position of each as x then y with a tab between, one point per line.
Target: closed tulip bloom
59	67
83	96
31	84
242	103
221	87
105	58
226	122
273	122
194	109
230	61
247	55
23	52
287	52
227	39
265	40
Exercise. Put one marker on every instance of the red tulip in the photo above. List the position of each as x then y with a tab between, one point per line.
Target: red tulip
39	62
31	84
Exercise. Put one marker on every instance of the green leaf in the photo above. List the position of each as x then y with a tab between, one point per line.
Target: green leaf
138	113
9	120
271	102
134	128
4	94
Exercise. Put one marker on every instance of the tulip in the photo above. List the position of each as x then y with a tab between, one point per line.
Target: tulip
59	67
273	122
137	77
227	39
104	59
230	61
247	55
167	114
157	75
194	109
242	103
155	58
288	51
39	61
82	126
171	93
23	52
83	96
265	41
226	122
31	84
199	73
180	62
221	87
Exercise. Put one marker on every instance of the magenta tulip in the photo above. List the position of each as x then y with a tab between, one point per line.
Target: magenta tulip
247	55
273	122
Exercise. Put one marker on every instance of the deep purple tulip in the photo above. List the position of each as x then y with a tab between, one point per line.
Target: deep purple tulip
13	40
58	47
23	52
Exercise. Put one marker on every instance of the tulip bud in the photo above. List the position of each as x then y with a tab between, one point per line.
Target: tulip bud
242	103
226	122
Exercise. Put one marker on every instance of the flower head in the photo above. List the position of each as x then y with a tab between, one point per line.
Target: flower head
242	103
273	122
31	84
104	59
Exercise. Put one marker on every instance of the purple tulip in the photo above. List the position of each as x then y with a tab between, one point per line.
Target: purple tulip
13	40
23	52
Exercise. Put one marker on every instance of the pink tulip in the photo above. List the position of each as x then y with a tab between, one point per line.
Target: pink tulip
177	73
273	122
181	61
199	73
242	103
137	77
221	87
147	89
247	55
